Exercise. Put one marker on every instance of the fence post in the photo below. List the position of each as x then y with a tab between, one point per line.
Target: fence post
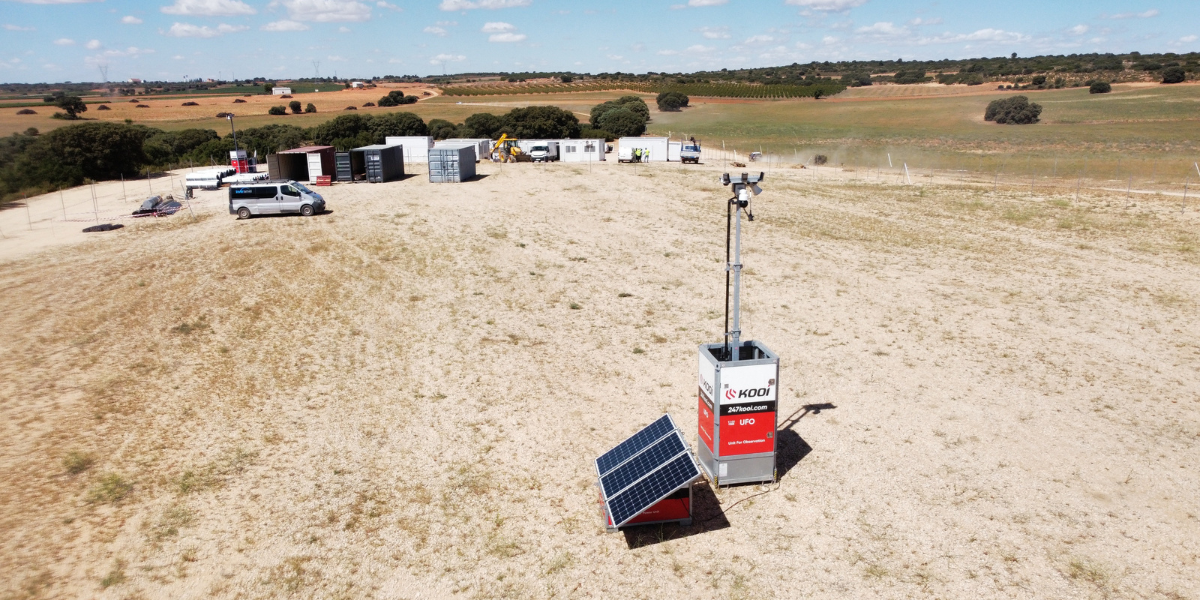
28	217
1183	204
64	204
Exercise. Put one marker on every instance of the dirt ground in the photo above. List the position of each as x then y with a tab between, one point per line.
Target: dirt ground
982	394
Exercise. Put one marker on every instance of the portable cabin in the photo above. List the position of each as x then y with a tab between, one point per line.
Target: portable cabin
383	162
483	146
416	147
301	164
280	91
451	164
581	150
673	151
657	147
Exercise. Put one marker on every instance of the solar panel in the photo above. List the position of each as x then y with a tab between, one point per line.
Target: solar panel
636	443
654	487
637	467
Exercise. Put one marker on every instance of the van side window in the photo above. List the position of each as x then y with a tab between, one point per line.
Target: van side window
266	191
289	190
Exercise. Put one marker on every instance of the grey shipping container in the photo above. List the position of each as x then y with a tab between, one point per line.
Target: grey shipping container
349	166
451	164
384	163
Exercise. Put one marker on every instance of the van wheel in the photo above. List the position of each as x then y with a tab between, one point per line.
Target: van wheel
243	213
306	210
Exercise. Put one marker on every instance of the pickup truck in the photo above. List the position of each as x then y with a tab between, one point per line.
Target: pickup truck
690	152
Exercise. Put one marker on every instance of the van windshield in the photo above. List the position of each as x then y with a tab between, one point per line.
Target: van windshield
541	148
300	186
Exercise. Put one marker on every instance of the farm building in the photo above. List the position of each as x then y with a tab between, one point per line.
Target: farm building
656	146
302	164
581	150
280	91
357	84
416	147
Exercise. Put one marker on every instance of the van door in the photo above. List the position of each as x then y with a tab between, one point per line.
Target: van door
267	200
289	199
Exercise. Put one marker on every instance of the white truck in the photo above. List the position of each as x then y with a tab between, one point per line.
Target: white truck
543	151
690	153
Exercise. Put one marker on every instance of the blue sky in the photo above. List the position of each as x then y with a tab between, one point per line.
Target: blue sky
69	40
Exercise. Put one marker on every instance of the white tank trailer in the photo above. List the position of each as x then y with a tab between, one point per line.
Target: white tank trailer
738	380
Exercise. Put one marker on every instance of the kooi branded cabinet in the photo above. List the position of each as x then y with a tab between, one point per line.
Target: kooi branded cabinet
737	409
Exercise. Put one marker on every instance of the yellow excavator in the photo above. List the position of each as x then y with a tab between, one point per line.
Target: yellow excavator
507	150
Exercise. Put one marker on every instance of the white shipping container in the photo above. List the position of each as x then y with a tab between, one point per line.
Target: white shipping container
673	150
581	150
657	147
416	147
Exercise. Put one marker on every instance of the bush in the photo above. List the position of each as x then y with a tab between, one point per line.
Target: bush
442	129
820	159
1039	80
222	115
566	79
1100	87
906	77
350	108
238	101
190	104
1015	110
534	122
622	122
856	79
368	104
633	103
103	107
295	106
484	125
277	110
1174	74
66	156
396	98
310	108
32	131
26	111
671	101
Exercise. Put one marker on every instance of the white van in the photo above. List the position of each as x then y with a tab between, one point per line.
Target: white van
272	198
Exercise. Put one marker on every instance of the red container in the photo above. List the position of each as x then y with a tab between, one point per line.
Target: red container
324	180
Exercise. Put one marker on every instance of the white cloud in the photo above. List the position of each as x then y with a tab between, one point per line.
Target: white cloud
988	35
445	58
93	45
187	30
130	52
9	27
56	1
396	61
131	20
343	29
438	31
485	4
829	39
827	5
506	38
64	42
714	33
699	49
668	52
446	23
883	29
1189	38
614	57
707	2
284	25
759	39
382	4
1078	30
209	8
497	27
1142	15
325	11
917	22
177	57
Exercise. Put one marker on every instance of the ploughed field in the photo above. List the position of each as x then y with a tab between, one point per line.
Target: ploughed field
982	394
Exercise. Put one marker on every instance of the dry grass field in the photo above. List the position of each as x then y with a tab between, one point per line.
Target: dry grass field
982	394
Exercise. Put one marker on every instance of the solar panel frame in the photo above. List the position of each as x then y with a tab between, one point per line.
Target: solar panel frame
652	488
634	444
642	464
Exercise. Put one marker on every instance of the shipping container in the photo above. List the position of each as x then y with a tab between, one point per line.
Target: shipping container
301	164
416	147
451	164
383	162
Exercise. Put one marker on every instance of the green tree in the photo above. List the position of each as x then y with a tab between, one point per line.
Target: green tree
623	122
541	122
1100	87
71	105
311	108
401	123
342	127
484	125
856	79
671	101
295	106
1174	74
1014	110
442	129
95	150
277	110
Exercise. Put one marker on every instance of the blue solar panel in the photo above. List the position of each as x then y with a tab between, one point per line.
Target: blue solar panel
637	467
654	487
636	443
